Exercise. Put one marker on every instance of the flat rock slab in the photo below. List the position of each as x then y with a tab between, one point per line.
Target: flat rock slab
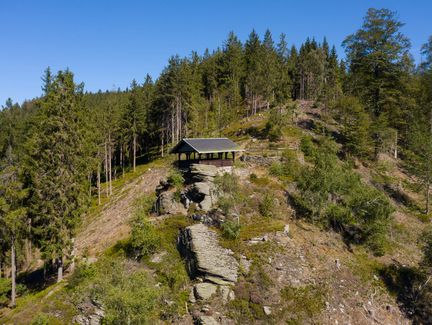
208	320
204	290
205	257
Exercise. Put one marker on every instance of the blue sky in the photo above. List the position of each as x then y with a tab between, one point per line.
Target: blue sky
108	43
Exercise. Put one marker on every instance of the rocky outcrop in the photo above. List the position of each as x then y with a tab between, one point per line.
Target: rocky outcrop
204	256
167	203
90	313
203	173
203	190
214	217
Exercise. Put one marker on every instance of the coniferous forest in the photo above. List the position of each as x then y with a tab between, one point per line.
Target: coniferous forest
61	151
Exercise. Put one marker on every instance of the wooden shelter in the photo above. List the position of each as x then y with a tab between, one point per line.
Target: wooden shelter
208	151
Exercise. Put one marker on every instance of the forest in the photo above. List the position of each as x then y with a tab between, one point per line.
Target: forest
57	150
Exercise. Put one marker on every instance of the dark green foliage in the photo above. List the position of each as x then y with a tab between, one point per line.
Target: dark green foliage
307	146
377	57
356	124
331	193
57	166
276	122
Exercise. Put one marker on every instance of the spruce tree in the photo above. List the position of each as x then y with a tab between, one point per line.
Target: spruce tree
57	169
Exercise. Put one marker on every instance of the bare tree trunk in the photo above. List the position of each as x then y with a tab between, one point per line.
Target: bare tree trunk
134	152
60	269
396	146
121	159
99	183
109	164
106	169
13	273
162	145
72	265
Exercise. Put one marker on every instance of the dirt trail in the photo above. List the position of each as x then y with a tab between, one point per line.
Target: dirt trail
111	224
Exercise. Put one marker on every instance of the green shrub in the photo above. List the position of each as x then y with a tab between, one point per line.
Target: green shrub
266	206
230	230
334	195
307	146
145	239
82	273
276	122
5	288
277	169
41	319
226	204
175	179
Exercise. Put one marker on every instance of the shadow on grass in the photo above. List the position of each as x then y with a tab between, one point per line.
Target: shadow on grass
412	289
39	279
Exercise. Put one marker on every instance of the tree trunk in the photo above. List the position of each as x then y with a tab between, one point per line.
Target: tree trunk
72	265
28	243
162	145
60	269
109	164
106	169
121	159
396	146
134	152
99	183
13	273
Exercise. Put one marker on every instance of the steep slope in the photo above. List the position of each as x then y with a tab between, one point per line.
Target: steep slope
111	223
304	275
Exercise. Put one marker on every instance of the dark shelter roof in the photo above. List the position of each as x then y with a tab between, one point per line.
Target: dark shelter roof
206	145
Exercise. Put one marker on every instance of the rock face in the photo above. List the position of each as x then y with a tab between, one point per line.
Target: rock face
202	191
205	258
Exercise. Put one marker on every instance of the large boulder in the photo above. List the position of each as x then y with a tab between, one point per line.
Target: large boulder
166	203
205	257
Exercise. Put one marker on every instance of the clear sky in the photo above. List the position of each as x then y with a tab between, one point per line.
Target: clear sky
108	43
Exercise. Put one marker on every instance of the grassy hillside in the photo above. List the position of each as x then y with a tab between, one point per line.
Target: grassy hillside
332	266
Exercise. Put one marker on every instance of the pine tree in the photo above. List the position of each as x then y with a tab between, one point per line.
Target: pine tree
356	126
375	56
254	69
